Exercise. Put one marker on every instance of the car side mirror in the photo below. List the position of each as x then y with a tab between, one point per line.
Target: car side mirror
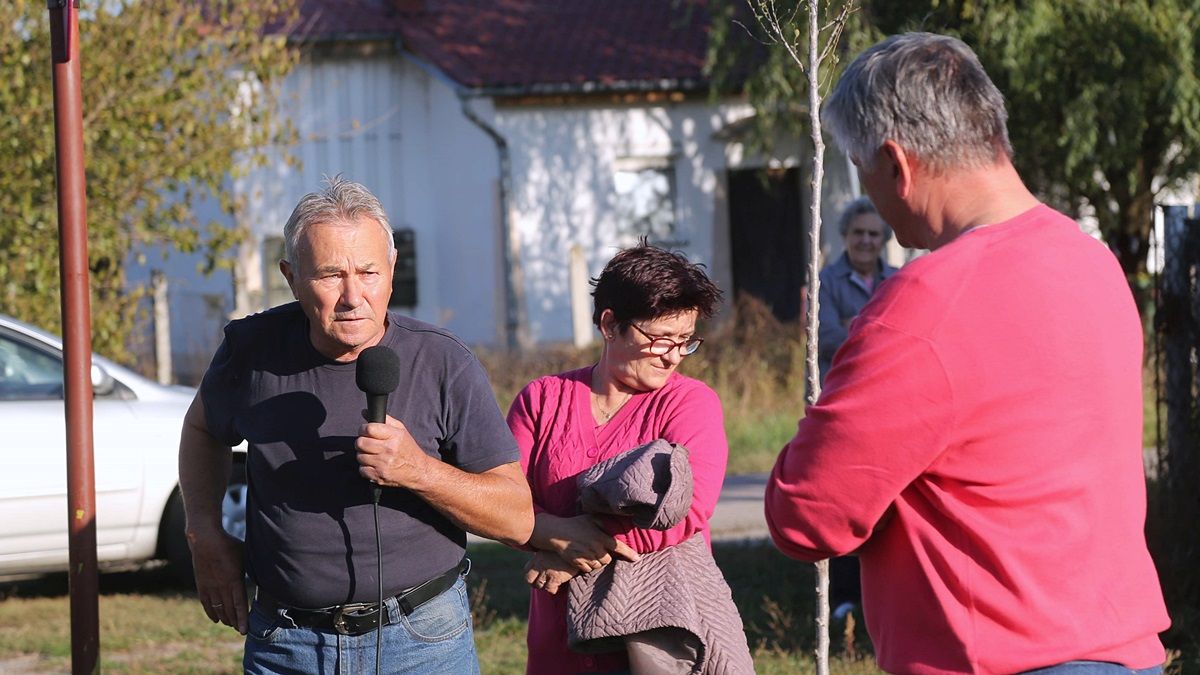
102	383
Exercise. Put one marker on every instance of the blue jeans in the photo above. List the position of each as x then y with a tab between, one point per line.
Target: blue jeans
1092	668
435	638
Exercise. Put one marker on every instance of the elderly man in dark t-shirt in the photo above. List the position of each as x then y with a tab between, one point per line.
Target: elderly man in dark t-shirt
284	381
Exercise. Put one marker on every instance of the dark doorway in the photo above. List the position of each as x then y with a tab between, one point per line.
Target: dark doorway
768	246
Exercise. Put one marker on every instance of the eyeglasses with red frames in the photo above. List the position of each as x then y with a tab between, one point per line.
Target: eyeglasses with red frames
661	346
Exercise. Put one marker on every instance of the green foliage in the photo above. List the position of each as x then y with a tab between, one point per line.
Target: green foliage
1103	95
1103	98
177	98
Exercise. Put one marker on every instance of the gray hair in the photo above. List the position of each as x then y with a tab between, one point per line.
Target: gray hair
856	208
340	201
927	93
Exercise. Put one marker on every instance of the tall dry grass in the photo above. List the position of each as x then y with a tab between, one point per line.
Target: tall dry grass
755	364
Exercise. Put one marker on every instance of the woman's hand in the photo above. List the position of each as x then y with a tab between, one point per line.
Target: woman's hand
548	572
579	542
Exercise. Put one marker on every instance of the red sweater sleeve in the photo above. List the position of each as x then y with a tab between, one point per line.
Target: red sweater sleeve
882	419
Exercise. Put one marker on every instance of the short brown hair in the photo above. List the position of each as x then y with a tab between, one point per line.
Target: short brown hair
647	282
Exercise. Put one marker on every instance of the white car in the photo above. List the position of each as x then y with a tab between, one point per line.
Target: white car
139	515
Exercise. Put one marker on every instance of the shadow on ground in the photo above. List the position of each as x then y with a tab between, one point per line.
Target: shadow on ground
150	579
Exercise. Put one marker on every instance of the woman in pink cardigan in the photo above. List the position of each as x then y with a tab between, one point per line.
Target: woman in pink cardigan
647	301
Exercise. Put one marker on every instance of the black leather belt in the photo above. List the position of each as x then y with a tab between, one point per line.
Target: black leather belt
358	618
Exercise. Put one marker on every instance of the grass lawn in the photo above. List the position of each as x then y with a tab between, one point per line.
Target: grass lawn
755	442
148	625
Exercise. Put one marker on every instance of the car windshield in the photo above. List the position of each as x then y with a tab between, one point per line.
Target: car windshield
27	373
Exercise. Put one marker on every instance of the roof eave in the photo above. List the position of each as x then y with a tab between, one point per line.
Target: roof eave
569	88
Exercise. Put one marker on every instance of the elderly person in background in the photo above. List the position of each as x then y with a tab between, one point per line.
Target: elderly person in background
647	302
848	282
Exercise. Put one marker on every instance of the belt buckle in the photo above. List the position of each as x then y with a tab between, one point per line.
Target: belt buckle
356	611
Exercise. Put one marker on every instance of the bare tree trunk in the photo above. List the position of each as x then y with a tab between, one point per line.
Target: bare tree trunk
814	285
780	30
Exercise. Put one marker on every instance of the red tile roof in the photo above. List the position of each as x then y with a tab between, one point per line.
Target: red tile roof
346	20
531	45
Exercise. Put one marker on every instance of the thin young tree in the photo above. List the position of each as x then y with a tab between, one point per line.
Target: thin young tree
809	47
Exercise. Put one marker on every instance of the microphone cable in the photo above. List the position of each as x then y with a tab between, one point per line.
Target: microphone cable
377	373
379	576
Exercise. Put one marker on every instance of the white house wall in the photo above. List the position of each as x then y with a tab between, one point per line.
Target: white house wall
463	169
398	127
386	123
564	161
563	165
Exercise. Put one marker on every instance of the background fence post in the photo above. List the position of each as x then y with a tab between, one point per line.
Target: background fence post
1178	330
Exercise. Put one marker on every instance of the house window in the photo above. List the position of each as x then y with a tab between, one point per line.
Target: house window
275	287
645	196
404	278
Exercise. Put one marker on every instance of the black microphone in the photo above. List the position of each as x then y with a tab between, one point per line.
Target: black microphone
377	373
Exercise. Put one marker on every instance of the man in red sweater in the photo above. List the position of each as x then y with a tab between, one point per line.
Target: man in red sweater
978	442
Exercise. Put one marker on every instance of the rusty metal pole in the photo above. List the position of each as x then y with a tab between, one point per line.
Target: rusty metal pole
77	335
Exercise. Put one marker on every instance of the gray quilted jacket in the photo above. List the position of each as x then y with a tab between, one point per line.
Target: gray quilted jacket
672	610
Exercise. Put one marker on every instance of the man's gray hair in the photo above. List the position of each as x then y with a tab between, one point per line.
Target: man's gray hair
856	208
927	93
340	201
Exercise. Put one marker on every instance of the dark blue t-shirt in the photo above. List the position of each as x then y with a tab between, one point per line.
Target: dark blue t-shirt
310	538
